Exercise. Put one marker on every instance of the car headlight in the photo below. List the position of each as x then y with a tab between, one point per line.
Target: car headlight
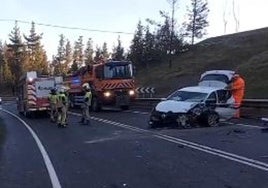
30	79
197	111
107	94
131	92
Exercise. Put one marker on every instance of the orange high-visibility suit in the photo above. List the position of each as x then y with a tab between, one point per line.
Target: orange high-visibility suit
238	90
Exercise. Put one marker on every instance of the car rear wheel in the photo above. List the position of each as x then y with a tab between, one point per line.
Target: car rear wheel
213	120
210	119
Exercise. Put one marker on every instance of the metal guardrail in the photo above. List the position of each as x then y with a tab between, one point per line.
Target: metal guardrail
255	103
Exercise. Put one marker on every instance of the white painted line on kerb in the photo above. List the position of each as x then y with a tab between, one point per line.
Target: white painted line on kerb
51	171
220	153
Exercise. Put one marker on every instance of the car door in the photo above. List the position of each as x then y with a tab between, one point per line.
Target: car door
225	104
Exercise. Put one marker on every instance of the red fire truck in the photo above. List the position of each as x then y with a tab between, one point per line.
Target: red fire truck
112	84
33	92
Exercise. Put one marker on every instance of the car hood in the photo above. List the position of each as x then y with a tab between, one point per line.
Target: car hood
174	106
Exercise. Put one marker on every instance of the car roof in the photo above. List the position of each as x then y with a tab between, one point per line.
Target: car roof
201	89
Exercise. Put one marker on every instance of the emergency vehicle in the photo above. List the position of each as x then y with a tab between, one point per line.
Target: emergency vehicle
33	92
111	82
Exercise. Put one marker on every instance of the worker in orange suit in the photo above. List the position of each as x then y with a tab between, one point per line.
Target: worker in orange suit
237	87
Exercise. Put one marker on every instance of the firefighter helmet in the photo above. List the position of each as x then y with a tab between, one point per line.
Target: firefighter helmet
86	86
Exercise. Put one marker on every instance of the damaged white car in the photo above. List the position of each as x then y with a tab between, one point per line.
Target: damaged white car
205	104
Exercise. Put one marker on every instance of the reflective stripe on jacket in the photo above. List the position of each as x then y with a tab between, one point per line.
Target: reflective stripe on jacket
87	98
52	98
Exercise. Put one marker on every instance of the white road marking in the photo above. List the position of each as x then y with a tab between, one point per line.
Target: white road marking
245	125
51	171
220	153
101	140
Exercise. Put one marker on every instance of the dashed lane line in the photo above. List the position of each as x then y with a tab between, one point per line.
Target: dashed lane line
210	150
51	171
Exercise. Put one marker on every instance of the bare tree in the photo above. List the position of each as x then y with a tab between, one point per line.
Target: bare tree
235	17
225	21
173	5
197	15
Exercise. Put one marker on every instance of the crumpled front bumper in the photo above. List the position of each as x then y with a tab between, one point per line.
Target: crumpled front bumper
181	119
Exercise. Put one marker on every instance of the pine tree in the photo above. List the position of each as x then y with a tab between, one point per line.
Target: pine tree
89	52
37	60
78	55
149	47
33	39
137	46
6	73
1	61
68	58
98	54
163	36
59	60
198	13
104	51
14	62
74	66
118	51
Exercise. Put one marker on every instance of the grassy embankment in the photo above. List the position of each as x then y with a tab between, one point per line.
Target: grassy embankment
246	52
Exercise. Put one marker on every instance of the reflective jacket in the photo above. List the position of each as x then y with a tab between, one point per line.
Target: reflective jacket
52	98
87	98
238	90
61	100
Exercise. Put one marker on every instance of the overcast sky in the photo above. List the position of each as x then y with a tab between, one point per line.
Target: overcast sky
118	15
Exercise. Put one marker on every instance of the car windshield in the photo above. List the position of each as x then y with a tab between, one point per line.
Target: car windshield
188	96
118	71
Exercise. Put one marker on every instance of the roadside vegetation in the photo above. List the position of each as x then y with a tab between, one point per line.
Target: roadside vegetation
153	41
163	51
245	52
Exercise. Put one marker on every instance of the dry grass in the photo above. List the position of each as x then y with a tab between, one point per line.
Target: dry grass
246	52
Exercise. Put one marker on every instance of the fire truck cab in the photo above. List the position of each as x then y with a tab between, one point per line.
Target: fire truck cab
112	84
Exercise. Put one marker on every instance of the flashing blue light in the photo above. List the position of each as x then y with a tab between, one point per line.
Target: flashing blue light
76	81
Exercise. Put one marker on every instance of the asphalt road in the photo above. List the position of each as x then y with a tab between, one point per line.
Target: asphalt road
118	150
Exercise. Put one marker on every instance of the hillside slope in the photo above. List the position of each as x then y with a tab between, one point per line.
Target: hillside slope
245	52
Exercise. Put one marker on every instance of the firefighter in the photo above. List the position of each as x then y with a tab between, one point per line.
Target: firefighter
53	104
85	120
62	107
237	88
